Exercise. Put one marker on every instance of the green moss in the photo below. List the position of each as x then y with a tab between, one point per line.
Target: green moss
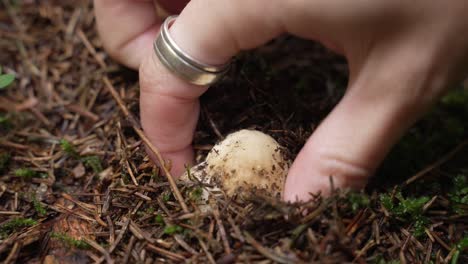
173	229
68	148
150	210
420	226
15	225
26	173
166	197
93	162
358	200
69	241
404	206
196	194
159	219
40	209
459	193
407	210
457	98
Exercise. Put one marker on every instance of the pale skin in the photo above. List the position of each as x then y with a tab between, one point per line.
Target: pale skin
402	55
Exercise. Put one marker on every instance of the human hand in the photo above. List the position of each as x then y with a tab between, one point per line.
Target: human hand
402	57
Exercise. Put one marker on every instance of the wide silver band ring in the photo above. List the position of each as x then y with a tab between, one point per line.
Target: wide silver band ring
182	64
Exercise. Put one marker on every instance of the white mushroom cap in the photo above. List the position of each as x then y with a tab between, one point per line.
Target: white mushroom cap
244	162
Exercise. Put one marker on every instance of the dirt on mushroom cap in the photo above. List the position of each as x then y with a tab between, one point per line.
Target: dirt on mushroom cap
247	161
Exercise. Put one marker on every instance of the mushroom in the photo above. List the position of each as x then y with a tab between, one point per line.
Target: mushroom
244	162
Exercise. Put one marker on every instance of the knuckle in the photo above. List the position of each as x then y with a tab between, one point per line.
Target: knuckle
344	172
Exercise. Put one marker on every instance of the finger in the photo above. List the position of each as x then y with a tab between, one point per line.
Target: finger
128	27
386	95
169	110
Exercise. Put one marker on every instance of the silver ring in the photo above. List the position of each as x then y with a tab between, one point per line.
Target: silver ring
182	64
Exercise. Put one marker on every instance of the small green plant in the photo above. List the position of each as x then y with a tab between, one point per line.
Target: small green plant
459	192
166	197
15	225
69	241
26	173
150	210
419	227
68	148
196	194
93	162
459	247
159	219
404	206
5	79
40	209
457	98
407	209
358	200
173	229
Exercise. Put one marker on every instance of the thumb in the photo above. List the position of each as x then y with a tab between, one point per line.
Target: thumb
386	95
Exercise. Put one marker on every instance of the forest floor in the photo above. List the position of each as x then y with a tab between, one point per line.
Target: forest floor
76	185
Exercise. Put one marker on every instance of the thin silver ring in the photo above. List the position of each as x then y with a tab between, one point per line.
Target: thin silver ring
181	63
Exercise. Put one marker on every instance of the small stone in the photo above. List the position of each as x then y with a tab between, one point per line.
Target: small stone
79	171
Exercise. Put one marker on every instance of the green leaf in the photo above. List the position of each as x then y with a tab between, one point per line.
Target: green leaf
1	69
5	80
463	244
69	241
455	257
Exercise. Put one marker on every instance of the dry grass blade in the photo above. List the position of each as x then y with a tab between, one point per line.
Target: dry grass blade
267	252
99	248
165	253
